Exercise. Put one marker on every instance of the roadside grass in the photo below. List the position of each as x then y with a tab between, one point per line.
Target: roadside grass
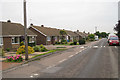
51	51
0	51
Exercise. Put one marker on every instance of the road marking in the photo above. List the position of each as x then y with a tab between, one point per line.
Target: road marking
62	60
50	66
104	46
77	53
31	76
36	74
95	46
101	46
82	47
115	46
71	56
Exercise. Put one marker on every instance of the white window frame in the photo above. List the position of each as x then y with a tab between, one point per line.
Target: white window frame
1	40
48	38
33	40
14	40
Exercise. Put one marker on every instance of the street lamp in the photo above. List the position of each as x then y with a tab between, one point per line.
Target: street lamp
25	31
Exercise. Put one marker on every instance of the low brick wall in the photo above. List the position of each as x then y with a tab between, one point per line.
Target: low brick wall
15	46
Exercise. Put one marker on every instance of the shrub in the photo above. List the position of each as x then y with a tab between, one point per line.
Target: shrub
43	49
63	42
21	50
36	48
75	42
22	43
3	53
71	43
82	41
8	49
16	58
41	46
57	42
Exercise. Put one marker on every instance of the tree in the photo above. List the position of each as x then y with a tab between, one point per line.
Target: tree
63	33
98	34
91	37
104	34
117	28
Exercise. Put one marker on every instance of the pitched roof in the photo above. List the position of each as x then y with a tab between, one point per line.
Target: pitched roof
9	28
81	34
71	33
48	31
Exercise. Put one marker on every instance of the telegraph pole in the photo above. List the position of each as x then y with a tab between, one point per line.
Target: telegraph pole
95	29
25	31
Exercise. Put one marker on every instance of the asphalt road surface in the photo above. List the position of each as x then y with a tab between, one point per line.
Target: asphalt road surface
95	61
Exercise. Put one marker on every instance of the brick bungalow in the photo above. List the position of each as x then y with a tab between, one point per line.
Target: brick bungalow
45	35
12	34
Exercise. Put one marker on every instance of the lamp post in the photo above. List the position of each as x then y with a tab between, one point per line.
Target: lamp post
25	31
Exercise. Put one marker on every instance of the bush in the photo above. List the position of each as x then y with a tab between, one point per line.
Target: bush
71	43
8	49
36	48
22	43
43	49
63	42
57	42
75	42
21	50
3	53
82	41
16	58
41	46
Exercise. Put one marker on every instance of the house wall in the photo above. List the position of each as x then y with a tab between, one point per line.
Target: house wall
40	39
7	42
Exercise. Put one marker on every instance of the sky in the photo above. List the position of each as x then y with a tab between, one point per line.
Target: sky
82	15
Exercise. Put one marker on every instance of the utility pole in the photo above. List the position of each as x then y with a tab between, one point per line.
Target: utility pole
25	31
95	29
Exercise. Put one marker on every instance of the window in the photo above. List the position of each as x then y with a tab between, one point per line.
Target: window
1	41
31	39
15	40
48	38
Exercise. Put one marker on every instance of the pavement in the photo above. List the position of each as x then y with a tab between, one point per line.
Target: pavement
93	60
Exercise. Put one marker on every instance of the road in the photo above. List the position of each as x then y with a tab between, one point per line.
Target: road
97	60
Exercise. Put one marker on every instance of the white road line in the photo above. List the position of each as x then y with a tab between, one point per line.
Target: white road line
36	74
115	46
62	60
71	56
82	47
95	46
31	76
104	46
101	46
50	66
77	53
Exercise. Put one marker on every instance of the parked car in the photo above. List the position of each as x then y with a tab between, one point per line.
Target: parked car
113	40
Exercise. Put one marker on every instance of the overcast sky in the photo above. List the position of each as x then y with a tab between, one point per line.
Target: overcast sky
83	15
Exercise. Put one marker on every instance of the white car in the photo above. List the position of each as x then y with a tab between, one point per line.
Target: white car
96	38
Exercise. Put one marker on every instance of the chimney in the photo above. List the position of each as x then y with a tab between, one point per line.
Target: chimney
8	20
42	25
77	30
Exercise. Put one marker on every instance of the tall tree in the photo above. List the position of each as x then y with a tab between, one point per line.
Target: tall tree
117	28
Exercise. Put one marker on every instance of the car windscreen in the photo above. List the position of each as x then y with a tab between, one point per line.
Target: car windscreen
113	38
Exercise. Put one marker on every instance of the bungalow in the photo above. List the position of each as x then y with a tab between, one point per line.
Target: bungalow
81	34
12	34
71	36
45	35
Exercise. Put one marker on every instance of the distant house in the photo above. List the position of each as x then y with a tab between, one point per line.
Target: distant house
71	36
12	34
81	34
45	35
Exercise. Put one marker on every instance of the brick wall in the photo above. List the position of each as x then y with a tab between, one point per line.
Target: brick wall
7	43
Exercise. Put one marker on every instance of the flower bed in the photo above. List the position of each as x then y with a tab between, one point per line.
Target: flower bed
16	58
